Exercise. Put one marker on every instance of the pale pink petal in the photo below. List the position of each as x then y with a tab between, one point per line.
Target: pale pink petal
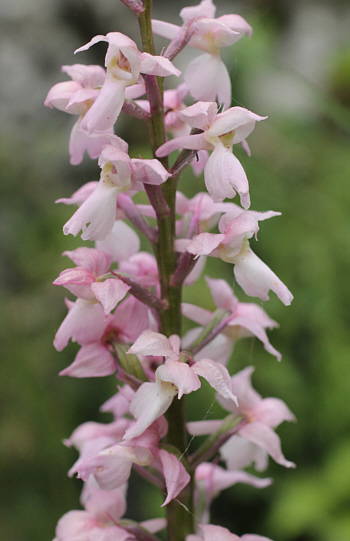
121	243
263	436
251	326
248	398
231	211
199	115
175	341
88	76
224	175
149	439
238	453
104	504
181	375
135	91
157	65
260	216
96	216
90	431
217	376
60	94
199	163
75	526
244	226
119	403
219	349
205	243
256	278
175	474
80	141
105	110
95	39
217	533
246	147
109	293
151	400
241	120
112	533
78	281
93	360
153	343
237	23
205	8
201	428
222	294
110	467
97	261
272	412
167	30
154	525
84	323
253	312
191	142
218	479
196	272
131	318
149	172
80	195
212	34
90	448
81	100
208	79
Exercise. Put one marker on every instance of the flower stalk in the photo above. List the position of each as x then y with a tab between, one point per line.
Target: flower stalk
127	316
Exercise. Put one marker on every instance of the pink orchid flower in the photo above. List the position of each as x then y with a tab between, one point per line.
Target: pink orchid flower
143	267
256	439
124	64
80	195
211	479
119	173
95	358
76	97
86	281
247	320
173	105
84	525
207	76
121	243
84	323
223	173
172	378
212	532
198	214
263	415
111	467
232	246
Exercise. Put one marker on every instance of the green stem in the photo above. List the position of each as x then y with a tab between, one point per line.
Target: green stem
179	511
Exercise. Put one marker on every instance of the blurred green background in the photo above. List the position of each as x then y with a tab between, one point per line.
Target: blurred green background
296	70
